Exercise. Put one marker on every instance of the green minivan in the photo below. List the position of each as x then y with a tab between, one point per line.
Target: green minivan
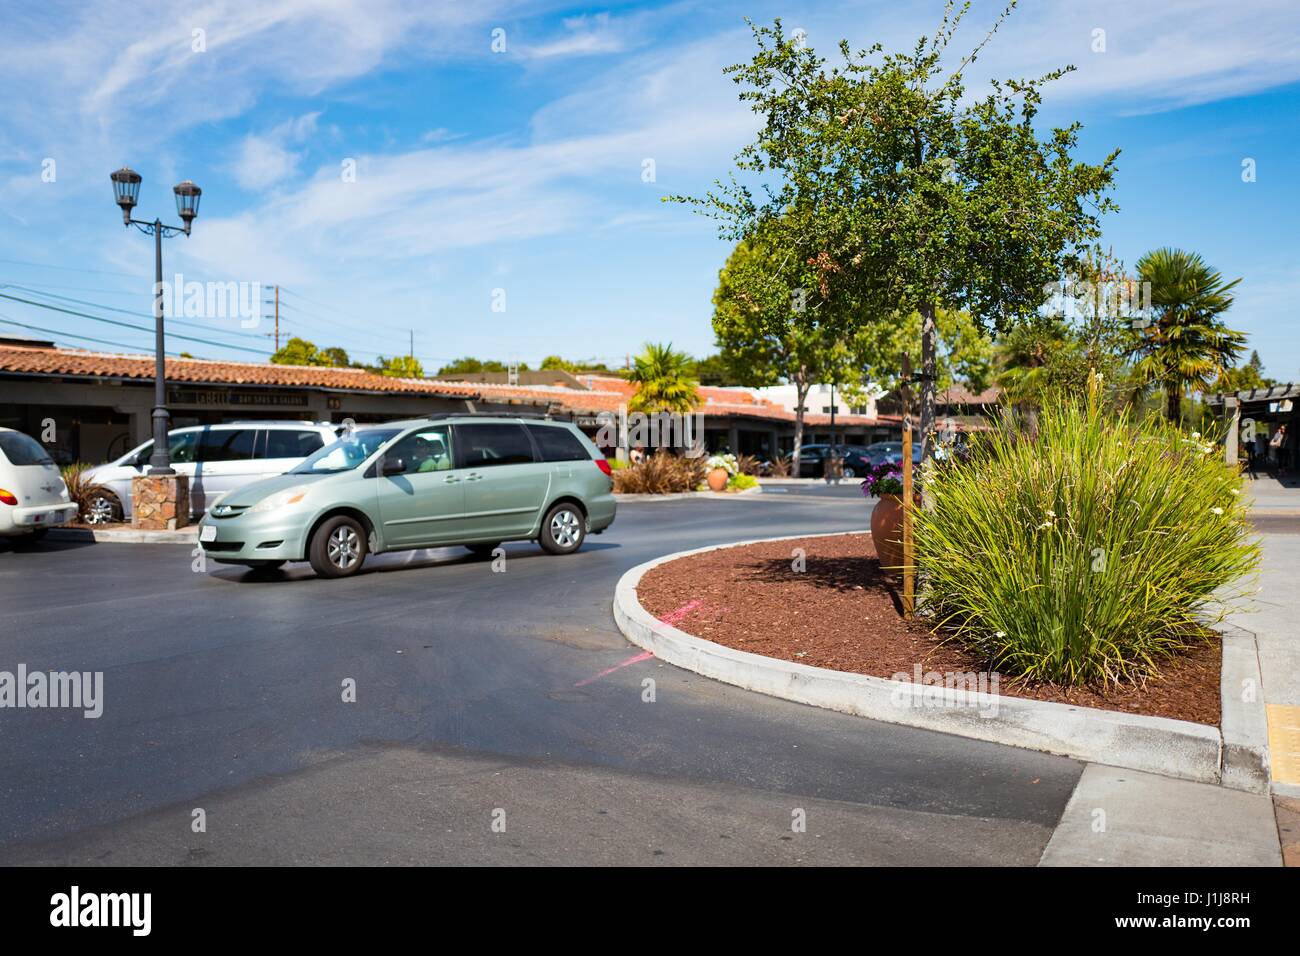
470	480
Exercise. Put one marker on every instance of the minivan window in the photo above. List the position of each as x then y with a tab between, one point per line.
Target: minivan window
428	449
234	444
347	453
22	449
283	443
557	443
483	446
180	448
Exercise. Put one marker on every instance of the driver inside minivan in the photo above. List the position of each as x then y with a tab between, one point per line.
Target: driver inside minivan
429	456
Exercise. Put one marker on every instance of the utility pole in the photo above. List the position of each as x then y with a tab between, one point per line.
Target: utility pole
277	315
411	352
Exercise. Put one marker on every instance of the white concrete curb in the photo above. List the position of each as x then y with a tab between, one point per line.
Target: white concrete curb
1175	748
678	495
1244	719
188	535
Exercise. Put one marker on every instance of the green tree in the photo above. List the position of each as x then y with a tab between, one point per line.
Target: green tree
900	194
335	356
299	351
754	320
470	365
401	366
714	370
558	364
964	352
1186	345
664	381
1087	330
296	351
1244	377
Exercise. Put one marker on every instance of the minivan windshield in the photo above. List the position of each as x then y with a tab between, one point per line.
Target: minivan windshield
346	453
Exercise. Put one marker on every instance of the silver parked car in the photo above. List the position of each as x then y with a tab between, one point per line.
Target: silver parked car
216	458
454	480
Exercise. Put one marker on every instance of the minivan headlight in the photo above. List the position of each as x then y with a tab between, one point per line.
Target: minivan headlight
282	499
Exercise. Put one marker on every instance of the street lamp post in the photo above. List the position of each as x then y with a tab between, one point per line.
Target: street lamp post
126	190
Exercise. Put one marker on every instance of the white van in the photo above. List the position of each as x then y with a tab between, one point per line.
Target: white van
33	496
216	459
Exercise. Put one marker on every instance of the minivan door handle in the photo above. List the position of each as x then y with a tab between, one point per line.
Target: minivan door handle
450	478
474	477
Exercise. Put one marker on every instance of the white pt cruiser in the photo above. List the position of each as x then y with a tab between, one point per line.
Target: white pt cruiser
33	496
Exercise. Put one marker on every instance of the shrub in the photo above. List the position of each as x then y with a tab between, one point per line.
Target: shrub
741	481
80	489
616	464
747	465
660	474
779	467
1085	554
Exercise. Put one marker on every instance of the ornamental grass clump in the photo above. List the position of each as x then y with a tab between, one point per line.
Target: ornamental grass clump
1087	554
662	473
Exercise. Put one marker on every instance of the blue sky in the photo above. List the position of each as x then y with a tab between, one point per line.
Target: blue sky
521	170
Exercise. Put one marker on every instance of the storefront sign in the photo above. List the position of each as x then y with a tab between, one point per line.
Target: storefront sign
226	396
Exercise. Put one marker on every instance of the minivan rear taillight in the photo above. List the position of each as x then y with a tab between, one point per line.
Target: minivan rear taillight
601	463
8	497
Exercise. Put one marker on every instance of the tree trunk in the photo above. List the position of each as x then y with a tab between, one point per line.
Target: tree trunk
801	387
929	362
1174	404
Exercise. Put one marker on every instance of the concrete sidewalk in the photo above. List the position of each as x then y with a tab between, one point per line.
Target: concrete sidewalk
1271	615
1127	818
1124	818
1270	496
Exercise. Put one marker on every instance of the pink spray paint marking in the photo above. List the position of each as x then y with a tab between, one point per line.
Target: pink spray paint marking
671	618
676	617
643	656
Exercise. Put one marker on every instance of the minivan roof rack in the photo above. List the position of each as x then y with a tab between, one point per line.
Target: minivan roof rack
439	416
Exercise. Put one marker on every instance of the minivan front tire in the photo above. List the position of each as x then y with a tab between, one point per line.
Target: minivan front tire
338	547
563	529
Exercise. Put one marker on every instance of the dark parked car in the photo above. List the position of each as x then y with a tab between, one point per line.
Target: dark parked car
856	460
883	451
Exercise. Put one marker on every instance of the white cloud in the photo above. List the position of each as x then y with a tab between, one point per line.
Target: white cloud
266	159
586	36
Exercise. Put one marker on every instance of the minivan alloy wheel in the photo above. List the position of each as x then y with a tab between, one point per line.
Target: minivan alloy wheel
565	528
344	547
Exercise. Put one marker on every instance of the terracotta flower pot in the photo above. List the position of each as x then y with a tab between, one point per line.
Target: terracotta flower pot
718	479
887	532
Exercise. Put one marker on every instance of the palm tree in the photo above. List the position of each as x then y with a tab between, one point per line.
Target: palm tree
664	381
1187	345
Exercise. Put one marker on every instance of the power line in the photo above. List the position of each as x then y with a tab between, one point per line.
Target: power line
171	320
125	325
70	335
102	272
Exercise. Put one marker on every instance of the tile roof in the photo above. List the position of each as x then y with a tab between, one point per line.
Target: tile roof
608	394
73	362
603	393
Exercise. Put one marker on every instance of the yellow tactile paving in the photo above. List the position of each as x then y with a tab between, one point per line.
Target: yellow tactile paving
1284	742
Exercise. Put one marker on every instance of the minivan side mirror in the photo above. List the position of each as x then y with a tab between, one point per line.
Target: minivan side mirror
393	466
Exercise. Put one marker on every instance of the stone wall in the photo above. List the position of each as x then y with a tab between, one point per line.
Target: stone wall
160	502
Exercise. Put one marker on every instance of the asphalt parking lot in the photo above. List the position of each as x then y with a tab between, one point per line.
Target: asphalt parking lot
499	718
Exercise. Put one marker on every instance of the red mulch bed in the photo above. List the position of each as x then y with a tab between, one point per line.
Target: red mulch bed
843	613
